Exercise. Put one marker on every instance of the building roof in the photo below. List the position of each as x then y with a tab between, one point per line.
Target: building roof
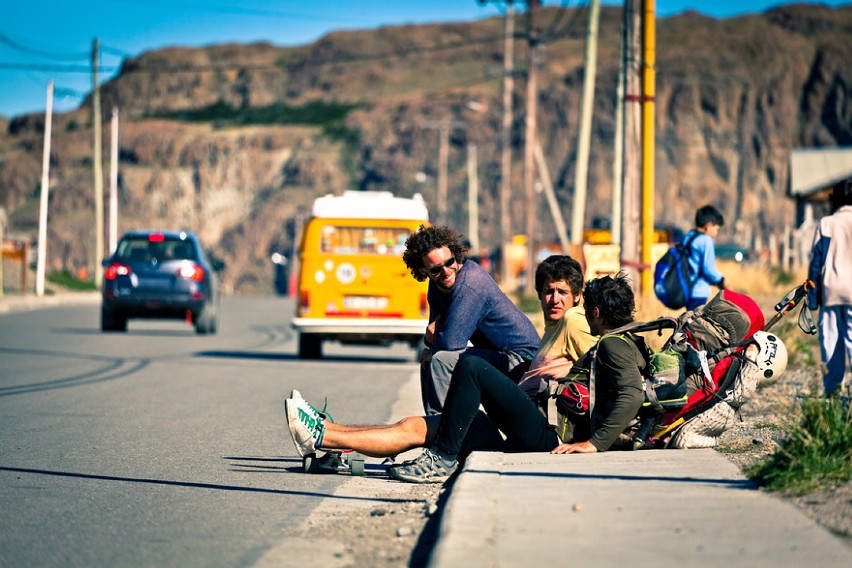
813	170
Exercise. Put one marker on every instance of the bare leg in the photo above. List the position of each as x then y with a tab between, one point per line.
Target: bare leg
382	441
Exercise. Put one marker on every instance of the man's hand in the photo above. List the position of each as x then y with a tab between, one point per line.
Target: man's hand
578	448
429	336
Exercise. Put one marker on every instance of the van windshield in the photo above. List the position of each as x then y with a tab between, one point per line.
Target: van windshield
336	239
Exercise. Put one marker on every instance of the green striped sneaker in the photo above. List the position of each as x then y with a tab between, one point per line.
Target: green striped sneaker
305	424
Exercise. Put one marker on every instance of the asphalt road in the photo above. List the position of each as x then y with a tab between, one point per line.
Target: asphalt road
162	448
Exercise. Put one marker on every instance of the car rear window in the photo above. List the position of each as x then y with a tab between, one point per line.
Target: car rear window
337	239
142	249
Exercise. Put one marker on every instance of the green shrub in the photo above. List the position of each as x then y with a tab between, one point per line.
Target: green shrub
816	451
67	280
314	113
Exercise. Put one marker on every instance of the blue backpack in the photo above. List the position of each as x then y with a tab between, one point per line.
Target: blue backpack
673	279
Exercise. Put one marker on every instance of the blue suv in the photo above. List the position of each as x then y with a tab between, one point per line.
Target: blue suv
160	275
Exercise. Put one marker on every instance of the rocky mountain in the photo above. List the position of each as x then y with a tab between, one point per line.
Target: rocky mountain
235	141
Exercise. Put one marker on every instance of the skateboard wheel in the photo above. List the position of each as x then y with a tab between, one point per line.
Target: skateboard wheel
356	466
310	463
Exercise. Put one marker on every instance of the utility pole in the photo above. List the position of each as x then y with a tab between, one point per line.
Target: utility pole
45	188
618	146
113	182
648	146
585	131
472	198
97	164
443	159
506	138
443	127
632	157
530	138
558	221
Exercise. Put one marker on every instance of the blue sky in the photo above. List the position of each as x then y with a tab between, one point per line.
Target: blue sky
42	40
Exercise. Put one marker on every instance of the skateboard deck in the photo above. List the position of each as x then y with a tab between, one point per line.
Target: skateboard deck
334	461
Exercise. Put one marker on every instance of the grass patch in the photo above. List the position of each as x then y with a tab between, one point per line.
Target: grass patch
816	452
67	280
315	113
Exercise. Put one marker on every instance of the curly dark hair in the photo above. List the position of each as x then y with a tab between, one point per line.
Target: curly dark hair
613	297
426	239
558	267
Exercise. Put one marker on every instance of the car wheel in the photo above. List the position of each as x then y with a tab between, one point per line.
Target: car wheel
206	321
112	320
310	346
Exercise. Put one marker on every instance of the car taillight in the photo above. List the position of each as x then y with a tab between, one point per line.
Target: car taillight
191	271
304	302
424	304
115	270
156	238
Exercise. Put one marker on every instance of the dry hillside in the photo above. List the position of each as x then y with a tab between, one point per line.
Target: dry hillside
235	141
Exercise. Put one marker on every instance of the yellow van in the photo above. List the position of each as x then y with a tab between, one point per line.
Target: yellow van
353	285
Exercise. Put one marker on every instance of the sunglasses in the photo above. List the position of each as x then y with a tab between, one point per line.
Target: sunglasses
436	270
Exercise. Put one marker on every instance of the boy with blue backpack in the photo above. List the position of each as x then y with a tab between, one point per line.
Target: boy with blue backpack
682	277
702	255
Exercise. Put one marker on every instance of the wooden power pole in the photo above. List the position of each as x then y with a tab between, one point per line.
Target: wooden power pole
41	262
97	165
631	205
506	139
530	139
584	134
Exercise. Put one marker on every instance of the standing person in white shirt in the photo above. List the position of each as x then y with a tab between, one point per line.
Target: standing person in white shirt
830	269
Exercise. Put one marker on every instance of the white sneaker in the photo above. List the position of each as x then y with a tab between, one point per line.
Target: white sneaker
305	424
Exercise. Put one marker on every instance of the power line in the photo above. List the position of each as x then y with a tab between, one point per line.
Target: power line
399	53
241	11
55	68
5	39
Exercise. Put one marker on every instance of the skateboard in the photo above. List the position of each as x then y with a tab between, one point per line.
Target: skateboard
334	461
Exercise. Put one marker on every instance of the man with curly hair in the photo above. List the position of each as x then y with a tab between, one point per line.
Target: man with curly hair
468	314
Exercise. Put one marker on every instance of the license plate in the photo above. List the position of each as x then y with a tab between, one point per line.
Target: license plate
365	302
155	283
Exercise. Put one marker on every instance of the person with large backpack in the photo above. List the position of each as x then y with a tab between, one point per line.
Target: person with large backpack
600	410
702	255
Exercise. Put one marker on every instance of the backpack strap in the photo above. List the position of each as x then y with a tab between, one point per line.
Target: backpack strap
687	247
621	334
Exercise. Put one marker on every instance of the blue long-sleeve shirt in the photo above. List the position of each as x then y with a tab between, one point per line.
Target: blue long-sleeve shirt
702	263
476	310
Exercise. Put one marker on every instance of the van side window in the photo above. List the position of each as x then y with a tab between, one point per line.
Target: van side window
337	239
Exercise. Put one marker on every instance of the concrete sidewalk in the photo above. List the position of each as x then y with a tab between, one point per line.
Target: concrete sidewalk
21	302
647	508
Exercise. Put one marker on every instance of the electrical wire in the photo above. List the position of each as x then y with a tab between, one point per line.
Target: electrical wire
16	45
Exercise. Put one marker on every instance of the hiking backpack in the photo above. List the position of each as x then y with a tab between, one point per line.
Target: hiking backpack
673	278
720	369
